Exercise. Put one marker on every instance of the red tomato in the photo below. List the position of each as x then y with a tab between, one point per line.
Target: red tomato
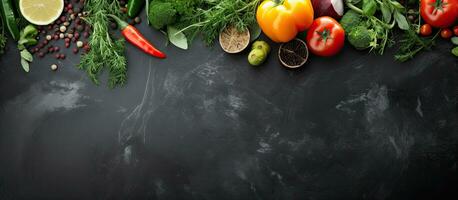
325	37
455	30
446	33
439	13
426	30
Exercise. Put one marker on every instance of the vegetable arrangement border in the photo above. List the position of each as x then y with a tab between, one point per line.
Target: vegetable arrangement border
368	25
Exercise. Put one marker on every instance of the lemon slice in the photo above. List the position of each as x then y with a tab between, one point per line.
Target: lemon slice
41	12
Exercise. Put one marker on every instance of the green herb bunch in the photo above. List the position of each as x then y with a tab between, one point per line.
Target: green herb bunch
214	16
204	18
379	25
106	52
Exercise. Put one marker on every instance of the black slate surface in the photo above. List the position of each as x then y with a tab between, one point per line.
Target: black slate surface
204	125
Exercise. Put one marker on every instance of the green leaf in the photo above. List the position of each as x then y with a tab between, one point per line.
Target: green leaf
177	38
401	20
386	11
397	5
26	55
25	65
455	51
454	40
255	32
369	7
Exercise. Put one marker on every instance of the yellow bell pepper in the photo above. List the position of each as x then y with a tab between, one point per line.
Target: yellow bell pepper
281	20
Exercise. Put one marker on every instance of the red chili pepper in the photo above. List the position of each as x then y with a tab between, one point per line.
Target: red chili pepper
136	38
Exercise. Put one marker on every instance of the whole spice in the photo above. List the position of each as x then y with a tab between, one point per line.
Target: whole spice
136	38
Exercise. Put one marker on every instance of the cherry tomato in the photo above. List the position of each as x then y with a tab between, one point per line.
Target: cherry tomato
455	30
446	33
325	37
426	30
439	13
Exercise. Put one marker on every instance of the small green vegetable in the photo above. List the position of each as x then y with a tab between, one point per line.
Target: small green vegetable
9	19
360	37
350	20
257	57
134	7
161	14
259	52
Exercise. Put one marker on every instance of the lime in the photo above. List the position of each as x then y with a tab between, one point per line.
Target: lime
41	12
293	54
234	41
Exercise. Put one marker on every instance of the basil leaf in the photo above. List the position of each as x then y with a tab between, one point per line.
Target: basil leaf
255	32
454	40
401	20
397	5
386	11
369	7
26	55
25	65
177	38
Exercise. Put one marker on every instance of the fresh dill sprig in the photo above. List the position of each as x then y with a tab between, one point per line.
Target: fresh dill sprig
105	52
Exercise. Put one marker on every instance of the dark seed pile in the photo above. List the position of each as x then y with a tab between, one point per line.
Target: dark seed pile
69	27
294	53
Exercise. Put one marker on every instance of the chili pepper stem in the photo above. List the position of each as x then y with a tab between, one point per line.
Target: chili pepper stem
121	23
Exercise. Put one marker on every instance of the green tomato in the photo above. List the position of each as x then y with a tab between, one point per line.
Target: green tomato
261	45
257	57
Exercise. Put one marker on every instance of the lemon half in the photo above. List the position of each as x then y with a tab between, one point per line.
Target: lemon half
41	12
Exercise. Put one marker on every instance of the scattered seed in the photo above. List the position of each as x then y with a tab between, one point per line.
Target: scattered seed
70	35
67	44
63	29
48	37
56	48
66	23
80	28
61	36
137	20
75	50
113	25
79	44
53	67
